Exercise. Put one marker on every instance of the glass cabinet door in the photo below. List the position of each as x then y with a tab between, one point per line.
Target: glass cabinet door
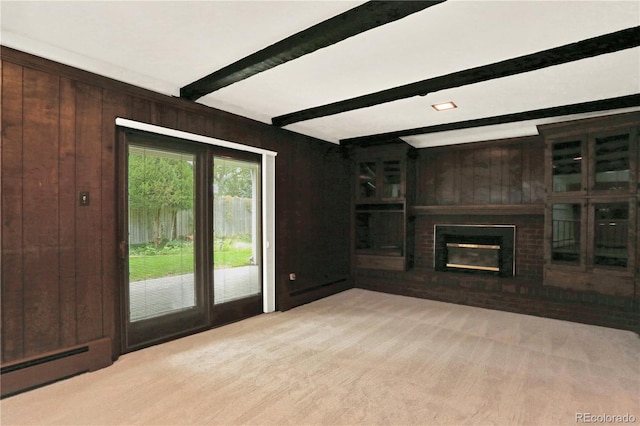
391	179
567	169
566	228
367	180
380	180
611	162
611	234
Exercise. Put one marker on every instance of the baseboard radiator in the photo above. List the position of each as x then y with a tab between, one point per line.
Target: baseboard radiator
316	284
29	373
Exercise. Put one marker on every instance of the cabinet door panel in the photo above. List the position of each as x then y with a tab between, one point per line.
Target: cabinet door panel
611	235
392	179
610	167
367	180
567	166
567	228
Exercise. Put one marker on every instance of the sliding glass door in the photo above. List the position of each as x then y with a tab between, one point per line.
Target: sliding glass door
236	231
192	239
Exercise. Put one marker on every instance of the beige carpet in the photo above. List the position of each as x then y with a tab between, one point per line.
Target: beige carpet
358	357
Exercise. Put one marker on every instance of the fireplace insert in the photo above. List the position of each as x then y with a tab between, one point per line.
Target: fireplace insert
479	249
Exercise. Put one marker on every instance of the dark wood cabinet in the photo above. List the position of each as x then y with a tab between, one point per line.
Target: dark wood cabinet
381	225
591	222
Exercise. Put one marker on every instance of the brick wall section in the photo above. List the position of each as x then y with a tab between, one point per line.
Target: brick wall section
587	308
524	293
529	240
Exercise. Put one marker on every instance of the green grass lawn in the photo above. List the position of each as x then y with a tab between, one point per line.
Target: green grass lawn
165	265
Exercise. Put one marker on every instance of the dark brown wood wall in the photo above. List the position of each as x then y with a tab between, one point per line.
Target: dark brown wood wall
60	267
313	241
504	172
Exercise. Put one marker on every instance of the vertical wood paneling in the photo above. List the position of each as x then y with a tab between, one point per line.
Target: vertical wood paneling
67	213
154	116
526	173
467	183
536	167
422	177
197	124
12	262
494	173
181	120
496	190
336	200
284	223
482	176
300	189
514	155
113	105
40	211
506	181
316	224
210	126
447	173
457	185
88	224
433	194
141	110
166	116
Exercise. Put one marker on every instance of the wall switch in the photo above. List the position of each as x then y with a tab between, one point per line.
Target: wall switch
84	198
292	276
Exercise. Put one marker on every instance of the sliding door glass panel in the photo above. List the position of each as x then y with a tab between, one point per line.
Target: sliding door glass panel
236	231
611	235
565	242
161	232
567	166
612	162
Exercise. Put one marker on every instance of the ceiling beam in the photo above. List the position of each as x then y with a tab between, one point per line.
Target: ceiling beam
608	43
369	15
579	108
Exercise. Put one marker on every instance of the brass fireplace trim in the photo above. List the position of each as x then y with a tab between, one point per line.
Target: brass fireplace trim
481	268
474	246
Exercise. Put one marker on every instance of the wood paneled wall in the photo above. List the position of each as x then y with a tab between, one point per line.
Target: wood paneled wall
501	172
60	267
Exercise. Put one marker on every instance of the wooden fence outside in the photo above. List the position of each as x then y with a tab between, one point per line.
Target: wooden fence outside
232	216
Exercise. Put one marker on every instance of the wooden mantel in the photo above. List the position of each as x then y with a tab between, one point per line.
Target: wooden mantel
480	209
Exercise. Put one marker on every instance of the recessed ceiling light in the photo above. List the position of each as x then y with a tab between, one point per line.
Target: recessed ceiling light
444	106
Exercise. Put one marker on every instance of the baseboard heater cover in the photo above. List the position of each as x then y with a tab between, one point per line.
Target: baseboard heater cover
25	374
315	285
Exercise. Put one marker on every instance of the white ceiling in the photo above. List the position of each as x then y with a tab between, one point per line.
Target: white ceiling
166	45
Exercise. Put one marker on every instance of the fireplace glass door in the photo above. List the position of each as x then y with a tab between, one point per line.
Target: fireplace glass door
481	257
478	249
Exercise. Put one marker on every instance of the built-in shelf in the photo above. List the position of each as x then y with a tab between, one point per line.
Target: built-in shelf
383	237
480	209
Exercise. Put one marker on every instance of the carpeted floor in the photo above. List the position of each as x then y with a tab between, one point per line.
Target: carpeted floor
358	358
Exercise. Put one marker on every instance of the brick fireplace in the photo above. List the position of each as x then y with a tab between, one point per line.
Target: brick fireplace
523	292
527	248
475	249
